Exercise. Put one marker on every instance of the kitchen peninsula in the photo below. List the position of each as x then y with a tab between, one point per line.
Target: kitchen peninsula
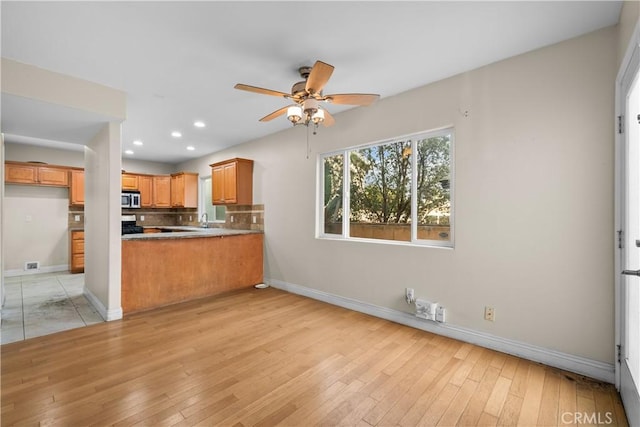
184	263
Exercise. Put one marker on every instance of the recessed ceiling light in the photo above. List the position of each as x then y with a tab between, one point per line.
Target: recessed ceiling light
137	142
176	134
191	148
199	124
128	152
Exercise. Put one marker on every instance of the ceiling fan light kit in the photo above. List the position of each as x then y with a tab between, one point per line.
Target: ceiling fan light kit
307	95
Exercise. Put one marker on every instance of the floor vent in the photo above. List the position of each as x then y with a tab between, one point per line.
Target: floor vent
32	265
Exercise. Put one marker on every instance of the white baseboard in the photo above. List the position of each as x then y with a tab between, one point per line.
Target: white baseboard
592	368
108	315
41	270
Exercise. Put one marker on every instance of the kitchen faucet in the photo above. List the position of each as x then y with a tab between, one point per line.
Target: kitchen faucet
204	220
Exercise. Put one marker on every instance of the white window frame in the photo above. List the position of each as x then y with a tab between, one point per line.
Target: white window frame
346	196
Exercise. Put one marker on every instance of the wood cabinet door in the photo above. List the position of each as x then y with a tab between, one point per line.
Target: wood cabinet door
76	192
77	251
177	191
145	185
162	191
230	183
53	176
217	185
21	174
129	181
190	191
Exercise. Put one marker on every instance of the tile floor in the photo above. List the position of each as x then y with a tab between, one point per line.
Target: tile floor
42	304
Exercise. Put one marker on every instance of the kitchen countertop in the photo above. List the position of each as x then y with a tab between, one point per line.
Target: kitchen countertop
193	232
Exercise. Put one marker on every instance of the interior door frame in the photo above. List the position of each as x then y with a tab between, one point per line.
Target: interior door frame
630	66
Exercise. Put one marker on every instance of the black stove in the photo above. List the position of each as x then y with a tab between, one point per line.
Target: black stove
129	225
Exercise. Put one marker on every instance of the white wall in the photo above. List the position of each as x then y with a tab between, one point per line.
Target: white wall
533	200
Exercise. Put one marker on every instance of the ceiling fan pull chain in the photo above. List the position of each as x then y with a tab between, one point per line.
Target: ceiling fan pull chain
308	145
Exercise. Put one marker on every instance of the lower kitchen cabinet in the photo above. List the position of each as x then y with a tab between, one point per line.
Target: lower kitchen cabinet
76	245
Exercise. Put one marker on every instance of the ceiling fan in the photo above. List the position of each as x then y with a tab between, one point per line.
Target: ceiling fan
307	96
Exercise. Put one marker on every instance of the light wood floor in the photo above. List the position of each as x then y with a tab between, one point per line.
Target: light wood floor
266	357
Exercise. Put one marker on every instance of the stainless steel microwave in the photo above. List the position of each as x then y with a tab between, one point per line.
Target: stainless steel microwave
130	199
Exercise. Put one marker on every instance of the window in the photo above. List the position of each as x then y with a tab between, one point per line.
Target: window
214	213
397	190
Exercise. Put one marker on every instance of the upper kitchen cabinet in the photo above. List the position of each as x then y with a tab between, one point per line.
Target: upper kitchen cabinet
161	194
36	174
232	182
76	189
184	190
145	185
130	181
155	191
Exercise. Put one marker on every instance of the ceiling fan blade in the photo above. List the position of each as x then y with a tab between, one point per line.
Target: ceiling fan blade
352	98
275	114
261	90
328	118
318	77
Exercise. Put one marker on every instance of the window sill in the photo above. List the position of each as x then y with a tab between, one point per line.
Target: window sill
419	244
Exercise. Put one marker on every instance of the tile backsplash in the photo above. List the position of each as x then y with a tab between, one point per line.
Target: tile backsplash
241	217
245	217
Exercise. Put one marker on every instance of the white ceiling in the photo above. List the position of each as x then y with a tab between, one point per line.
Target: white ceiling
178	61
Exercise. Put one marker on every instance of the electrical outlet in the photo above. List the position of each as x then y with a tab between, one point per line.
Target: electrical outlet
76	218
141	217
254	219
32	265
440	314
179	217
489	314
231	218
410	295
190	218
426	309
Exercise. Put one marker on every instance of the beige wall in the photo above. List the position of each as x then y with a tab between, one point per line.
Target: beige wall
45	237
102	170
31	82
36	224
2	293
37	217
54	156
21	152
629	19
533	199
102	219
152	168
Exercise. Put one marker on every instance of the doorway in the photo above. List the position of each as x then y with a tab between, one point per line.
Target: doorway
628	224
